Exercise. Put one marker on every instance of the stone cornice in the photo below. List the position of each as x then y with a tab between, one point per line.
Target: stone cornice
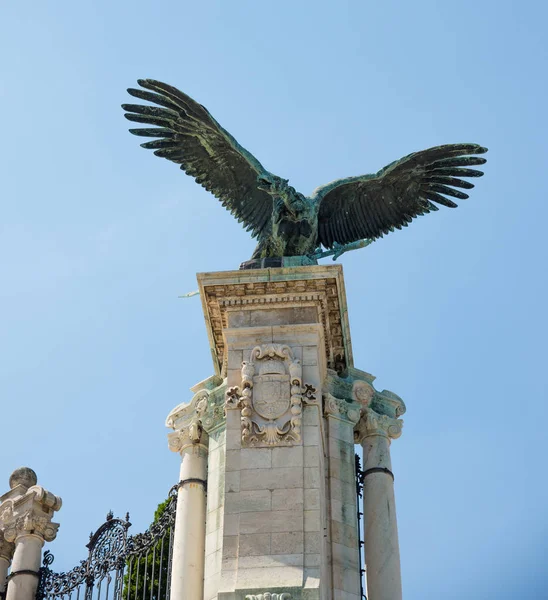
320	286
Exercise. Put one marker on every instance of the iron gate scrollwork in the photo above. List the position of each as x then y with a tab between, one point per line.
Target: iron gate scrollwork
118	566
359	495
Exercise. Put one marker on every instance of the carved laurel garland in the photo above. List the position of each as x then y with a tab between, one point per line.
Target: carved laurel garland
274	416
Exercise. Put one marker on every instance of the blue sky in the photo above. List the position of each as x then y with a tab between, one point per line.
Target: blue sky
98	239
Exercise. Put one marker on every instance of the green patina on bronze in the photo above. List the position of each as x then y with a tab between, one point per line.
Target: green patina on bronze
343	215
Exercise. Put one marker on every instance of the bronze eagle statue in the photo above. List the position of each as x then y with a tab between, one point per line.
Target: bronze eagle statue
286	222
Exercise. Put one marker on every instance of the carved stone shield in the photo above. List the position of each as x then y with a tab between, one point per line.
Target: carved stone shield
271	395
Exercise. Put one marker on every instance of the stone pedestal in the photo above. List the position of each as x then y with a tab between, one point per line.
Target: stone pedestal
280	414
25	519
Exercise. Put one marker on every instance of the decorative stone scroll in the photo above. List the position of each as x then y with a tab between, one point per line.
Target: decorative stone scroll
270	397
204	412
341	409
380	412
268	596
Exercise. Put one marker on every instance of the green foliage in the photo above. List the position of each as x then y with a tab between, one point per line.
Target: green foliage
146	573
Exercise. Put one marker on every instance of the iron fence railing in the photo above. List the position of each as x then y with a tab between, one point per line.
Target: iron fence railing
118	566
359	495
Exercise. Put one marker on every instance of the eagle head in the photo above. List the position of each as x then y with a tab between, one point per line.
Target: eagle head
280	190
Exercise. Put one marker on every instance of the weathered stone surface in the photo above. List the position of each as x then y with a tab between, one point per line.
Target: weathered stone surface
274	521
289	542
271	479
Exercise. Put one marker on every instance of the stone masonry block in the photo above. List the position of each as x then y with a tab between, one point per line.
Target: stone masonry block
342	470
346	535
255	544
310	356
311	435
312	542
252	501
232	460
291	456
256	458
291	542
311	416
235	358
342	512
274	521
271	479
260	578
214	520
311	456
312	498
287	499
232	481
230	546
311	477
312	520
268	561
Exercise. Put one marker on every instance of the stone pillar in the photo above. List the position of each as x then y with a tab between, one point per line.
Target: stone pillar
382	555
280	413
25	518
191	441
274	334
6	554
341	417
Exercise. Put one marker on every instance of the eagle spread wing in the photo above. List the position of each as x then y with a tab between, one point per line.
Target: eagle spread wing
369	206
190	137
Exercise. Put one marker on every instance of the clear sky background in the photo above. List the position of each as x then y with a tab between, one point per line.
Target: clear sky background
98	238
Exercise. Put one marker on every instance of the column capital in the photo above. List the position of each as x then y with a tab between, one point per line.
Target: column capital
27	509
187	421
373	423
341	409
6	548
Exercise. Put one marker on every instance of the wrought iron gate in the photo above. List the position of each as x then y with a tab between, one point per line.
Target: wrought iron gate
359	494
118	566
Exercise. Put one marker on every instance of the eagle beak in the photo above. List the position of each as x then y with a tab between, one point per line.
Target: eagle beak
264	184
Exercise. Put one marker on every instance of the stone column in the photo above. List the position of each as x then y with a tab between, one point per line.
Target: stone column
382	554
25	518
341	417
6	554
191	441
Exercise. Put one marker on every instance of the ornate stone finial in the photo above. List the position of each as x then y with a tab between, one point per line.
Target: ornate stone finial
23	476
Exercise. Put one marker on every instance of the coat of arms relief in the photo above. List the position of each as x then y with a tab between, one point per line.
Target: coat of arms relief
271	397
